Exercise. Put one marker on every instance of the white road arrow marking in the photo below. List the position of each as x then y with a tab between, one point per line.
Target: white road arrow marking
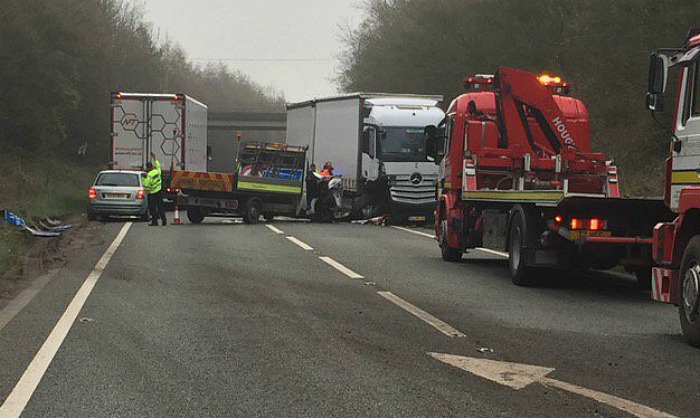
518	376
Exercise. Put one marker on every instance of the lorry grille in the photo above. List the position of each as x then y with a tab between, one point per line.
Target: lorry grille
406	189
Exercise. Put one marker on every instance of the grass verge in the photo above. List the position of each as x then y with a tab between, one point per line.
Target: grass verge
37	187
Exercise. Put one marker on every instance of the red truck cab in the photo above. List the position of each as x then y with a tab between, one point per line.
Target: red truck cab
676	244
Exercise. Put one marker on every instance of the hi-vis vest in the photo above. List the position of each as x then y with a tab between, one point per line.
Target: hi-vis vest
153	181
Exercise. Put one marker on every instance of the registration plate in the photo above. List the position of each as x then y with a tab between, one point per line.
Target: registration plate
116	195
416	218
574	235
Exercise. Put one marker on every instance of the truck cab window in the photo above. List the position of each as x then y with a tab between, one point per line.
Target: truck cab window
695	111
448	134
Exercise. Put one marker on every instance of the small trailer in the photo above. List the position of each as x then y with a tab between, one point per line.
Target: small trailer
268	180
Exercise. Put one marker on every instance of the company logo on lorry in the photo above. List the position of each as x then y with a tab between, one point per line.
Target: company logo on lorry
563	131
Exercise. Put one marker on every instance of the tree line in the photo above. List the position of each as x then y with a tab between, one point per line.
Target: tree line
601	46
60	59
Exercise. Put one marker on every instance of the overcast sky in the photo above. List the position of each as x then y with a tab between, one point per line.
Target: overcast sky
262	38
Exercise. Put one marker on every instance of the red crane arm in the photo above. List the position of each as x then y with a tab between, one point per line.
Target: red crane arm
520	94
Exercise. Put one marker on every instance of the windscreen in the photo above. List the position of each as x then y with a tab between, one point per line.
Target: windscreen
118	180
405	143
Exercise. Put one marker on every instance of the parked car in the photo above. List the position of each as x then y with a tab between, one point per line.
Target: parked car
117	193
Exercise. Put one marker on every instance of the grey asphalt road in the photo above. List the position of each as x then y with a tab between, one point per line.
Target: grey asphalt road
225	319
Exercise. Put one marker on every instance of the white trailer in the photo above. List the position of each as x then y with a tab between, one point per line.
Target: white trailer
172	126
376	142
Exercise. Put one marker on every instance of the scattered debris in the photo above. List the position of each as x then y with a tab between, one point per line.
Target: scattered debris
378	221
86	319
370	284
485	350
43	228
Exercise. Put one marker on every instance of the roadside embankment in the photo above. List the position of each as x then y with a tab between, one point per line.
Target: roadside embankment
36	187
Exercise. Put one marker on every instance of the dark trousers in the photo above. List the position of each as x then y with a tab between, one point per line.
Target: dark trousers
156	207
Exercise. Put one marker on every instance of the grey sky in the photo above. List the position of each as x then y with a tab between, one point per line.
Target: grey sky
262	30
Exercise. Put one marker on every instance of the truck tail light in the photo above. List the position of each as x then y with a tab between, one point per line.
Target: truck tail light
594	224
558	219
141	194
575	223
92	194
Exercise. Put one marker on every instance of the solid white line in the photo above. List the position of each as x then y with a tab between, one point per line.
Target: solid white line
422	315
494	252
302	244
341	268
23	299
275	230
632	408
23	391
423	234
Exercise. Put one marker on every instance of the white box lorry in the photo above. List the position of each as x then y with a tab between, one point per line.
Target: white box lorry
172	126
376	142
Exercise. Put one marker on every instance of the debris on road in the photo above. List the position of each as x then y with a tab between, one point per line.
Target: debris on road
86	319
485	350
378	221
370	284
47	228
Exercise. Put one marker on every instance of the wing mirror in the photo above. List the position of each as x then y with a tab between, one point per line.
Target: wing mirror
658	76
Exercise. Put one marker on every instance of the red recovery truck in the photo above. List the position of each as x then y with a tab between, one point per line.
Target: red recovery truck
676	244
518	173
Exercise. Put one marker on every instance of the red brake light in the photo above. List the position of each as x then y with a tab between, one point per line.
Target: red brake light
595	224
92	194
141	194
558	219
575	223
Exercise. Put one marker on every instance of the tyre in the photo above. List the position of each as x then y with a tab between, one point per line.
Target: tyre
268	217
689	292
195	216
253	210
448	253
91	216
520	274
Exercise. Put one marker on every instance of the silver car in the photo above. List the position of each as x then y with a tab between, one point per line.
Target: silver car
117	193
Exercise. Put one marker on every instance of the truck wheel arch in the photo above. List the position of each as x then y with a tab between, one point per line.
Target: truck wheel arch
689	227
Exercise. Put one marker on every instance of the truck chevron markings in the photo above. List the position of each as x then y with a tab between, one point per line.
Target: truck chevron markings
519	376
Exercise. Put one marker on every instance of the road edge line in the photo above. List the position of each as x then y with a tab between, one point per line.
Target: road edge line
24	389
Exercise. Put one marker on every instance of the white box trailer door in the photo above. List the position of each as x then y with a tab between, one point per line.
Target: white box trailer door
337	139
195	157
166	126
129	133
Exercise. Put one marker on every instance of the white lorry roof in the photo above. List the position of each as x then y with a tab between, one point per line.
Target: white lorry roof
378	99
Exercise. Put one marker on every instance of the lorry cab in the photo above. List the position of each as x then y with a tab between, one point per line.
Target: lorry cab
394	149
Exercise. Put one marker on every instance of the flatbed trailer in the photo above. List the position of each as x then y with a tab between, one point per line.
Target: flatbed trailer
267	181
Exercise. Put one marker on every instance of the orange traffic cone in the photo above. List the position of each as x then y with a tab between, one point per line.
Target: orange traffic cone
176	218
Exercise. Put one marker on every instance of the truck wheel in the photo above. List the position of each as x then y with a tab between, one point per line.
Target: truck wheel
253	210
520	274
448	253
689	292
268	217
195	216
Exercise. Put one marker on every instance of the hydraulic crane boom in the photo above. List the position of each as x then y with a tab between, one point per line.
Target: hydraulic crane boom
520	94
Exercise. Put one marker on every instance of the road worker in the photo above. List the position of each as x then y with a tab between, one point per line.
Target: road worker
153	183
327	169
311	185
